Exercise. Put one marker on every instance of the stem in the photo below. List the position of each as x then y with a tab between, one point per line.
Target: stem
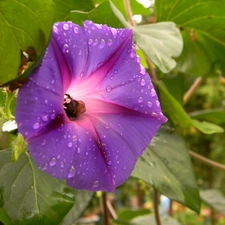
207	161
105	210
192	89
156	207
153	73
129	12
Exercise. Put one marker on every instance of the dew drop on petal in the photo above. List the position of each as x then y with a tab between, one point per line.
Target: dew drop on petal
65	26
36	126
114	32
132	53
44	118
46	101
98	26
149	104
153	93
62	164
140	100
90	41
52	162
76	30
143	82
71	172
109	162
78	150
157	103
65	48
70	144
55	29
95	184
44	167
136	108
108	88
109	42
142	70
95	42
102	43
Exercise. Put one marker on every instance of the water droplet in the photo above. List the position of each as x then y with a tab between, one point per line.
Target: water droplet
117	162
132	53
154	114
109	163
53	116
44	118
124	167
55	29
71	172
149	104
114	32
95	184
62	164
78	150
138	60
153	93
115	71
53	81
111	77
36	126
143	82
98	26
65	26
46	101
102	43
108	88
58	156
80	52
76	30
142	70
44	167
109	42
136	108
65	48
52	162
157	103
70	144
140	100
90	41
95	42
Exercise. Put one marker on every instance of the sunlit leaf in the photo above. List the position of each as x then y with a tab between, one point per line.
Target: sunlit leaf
202	24
166	164
24	26
178	115
30	196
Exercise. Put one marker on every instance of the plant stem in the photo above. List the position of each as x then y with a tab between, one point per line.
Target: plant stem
192	89
129	12
207	161
105	209
156	207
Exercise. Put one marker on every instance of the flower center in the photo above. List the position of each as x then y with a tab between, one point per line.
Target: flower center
72	107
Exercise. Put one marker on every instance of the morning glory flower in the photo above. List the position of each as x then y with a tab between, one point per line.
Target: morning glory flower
89	110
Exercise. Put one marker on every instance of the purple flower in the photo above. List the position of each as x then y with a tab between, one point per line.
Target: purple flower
89	110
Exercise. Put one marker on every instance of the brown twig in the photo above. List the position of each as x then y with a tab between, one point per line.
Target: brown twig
129	12
156	207
192	89
207	161
105	209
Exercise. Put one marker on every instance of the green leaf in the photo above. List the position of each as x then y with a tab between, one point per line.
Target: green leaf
63	8
178	115
23	24
102	14
166	164
213	115
30	196
83	198
202	24
160	42
214	198
150	219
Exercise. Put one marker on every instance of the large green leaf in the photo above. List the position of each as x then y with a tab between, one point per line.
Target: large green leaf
179	117
159	41
63	8
83	198
166	165
202	24
30	196
102	14
23	24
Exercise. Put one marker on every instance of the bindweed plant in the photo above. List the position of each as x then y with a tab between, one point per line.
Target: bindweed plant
92	96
